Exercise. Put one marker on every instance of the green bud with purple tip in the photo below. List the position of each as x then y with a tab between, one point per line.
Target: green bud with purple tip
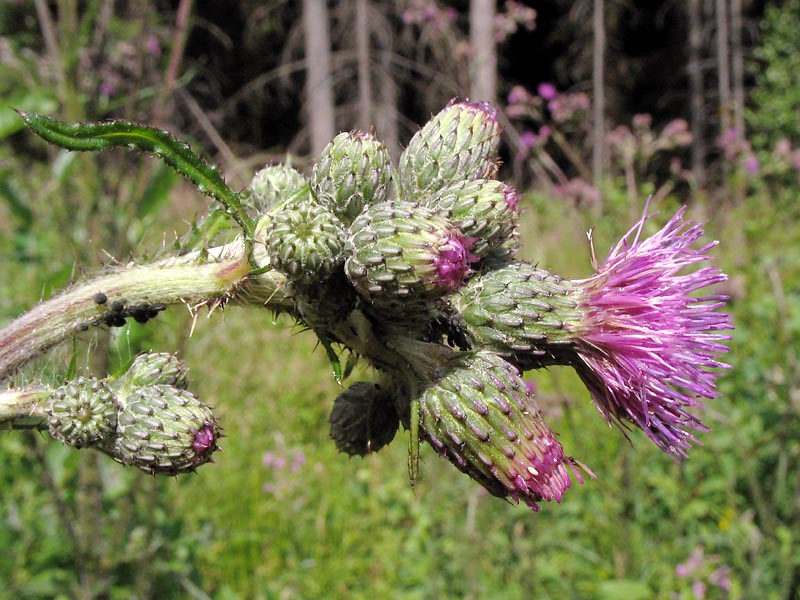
485	210
459	143
354	171
403	255
481	417
164	430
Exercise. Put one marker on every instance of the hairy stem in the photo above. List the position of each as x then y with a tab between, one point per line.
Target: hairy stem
24	408
140	291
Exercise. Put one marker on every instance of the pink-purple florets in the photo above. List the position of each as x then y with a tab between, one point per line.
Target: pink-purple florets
453	261
649	346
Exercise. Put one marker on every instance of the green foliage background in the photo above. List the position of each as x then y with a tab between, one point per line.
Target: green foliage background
283	515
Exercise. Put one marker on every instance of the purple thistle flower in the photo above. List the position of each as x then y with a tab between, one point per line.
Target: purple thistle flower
648	346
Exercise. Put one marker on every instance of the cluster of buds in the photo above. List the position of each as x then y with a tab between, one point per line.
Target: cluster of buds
413	268
145	418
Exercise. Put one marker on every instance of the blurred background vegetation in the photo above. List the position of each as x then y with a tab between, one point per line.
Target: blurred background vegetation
603	104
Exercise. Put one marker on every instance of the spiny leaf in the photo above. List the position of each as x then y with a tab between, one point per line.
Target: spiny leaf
113	134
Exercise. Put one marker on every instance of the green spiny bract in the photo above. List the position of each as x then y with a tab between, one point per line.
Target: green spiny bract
305	241
275	184
153	368
354	171
164	430
459	143
83	413
481	417
485	210
404	255
363	419
522	312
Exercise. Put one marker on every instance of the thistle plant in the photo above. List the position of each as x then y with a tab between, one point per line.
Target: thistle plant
411	269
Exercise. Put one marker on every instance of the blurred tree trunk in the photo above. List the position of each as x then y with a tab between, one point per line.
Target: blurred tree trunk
319	89
696	92
483	63
723	66
386	119
363	61
737	60
598	91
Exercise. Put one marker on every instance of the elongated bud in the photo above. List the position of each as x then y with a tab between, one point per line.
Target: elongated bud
305	241
485	210
522	312
457	144
353	172
481	417
363	419
83	413
164	430
403	254
274	185
154	368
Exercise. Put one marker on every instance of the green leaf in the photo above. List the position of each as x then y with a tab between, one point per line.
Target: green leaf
95	137
336	364
39	101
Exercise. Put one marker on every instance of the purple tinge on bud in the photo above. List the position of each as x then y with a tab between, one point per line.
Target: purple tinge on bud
484	107
511	198
649	346
481	417
453	261
205	439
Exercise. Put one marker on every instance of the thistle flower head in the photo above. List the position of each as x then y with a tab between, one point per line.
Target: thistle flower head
459	143
83	413
305	241
404	254
483	209
274	184
164	430
649	346
353	172
481	417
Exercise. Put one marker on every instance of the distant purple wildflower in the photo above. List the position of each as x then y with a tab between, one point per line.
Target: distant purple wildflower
751	165
648	346
547	91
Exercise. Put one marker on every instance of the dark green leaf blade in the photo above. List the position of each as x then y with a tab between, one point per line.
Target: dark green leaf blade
124	134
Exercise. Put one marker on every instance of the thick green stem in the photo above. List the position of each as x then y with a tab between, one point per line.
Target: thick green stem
140	291
24	408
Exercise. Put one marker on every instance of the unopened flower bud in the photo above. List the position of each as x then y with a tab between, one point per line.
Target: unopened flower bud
83	413
275	184
305	241
481	417
522	312
353	172
459	143
403	254
485	210
164	430
363	419
153	368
